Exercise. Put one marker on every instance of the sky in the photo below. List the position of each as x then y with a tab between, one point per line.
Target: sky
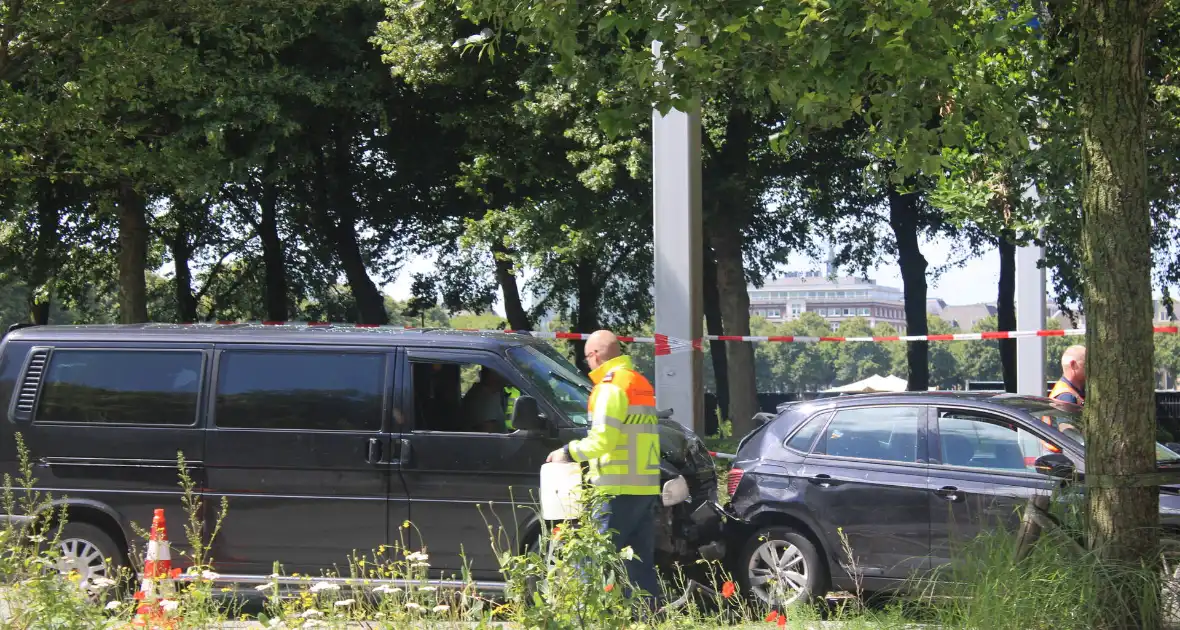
972	283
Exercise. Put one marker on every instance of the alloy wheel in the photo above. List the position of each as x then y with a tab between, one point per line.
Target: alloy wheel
83	557
778	573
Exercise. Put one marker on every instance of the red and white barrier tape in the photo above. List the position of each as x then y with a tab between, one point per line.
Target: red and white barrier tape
668	345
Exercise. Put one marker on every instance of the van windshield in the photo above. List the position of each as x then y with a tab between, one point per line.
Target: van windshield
561	383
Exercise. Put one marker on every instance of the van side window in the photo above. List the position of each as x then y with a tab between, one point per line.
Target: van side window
121	387
318	391
464	397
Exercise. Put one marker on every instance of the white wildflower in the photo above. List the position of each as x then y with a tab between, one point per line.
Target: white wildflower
102	582
627	553
210	575
113	605
344	602
319	587
428	589
169	605
441	608
273	576
265	587
418	556
388	590
311	612
274	622
413	606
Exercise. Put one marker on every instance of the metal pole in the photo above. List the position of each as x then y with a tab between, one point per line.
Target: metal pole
676	176
1030	315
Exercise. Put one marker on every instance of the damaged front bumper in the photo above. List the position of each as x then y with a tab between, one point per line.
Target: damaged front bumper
713	522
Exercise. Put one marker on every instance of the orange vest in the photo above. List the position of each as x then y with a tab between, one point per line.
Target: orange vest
1063	387
1059	388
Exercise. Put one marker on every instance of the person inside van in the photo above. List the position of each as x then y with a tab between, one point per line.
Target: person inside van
485	404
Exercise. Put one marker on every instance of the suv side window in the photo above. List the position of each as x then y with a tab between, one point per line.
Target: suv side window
879	433
307	390
974	440
155	387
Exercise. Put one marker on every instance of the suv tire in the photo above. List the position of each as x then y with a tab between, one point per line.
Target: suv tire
798	574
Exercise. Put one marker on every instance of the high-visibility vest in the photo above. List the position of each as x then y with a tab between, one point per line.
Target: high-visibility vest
513	394
623	446
1063	387
1059	388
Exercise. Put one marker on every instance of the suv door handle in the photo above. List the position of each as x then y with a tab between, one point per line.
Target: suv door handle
374	454
823	480
950	493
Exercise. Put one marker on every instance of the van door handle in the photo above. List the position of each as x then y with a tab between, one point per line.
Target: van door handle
404	453
374	456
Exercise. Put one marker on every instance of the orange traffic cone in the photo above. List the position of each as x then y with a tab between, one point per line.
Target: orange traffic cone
156	590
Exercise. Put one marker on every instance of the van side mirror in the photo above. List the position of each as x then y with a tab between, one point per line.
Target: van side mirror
1055	465
526	415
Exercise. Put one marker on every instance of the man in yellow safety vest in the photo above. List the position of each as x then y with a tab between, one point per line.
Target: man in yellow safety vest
623	449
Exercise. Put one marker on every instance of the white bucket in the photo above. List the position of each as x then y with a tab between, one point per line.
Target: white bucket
561	490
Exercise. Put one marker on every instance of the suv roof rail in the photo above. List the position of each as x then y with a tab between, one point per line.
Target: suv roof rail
18	326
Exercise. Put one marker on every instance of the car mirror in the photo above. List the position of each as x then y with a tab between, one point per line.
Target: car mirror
526	415
1055	465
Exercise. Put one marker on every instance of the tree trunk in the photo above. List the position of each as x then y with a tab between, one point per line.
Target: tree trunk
586	312
1120	421
727	242
904	219
714	326
274	261
182	251
133	246
518	317
1006	310
339	223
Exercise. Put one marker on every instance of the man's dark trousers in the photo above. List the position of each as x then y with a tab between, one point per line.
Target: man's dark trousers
632	519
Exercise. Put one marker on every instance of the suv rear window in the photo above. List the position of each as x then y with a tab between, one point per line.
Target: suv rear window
154	387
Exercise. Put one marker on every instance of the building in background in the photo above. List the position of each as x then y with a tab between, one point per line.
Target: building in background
834	299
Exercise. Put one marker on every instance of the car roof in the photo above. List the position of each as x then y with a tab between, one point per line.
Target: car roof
277	334
996	401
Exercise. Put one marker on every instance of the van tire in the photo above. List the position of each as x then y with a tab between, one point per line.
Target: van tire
805	580
90	551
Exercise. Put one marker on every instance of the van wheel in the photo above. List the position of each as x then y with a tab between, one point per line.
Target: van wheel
88	551
781	567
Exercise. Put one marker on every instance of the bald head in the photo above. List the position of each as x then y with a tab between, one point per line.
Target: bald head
1073	365
602	346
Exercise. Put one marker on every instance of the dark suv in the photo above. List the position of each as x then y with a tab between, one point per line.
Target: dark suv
894	479
324	440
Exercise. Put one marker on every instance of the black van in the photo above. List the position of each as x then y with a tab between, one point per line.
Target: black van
325	441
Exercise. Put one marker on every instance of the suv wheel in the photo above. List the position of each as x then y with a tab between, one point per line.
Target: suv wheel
780	567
